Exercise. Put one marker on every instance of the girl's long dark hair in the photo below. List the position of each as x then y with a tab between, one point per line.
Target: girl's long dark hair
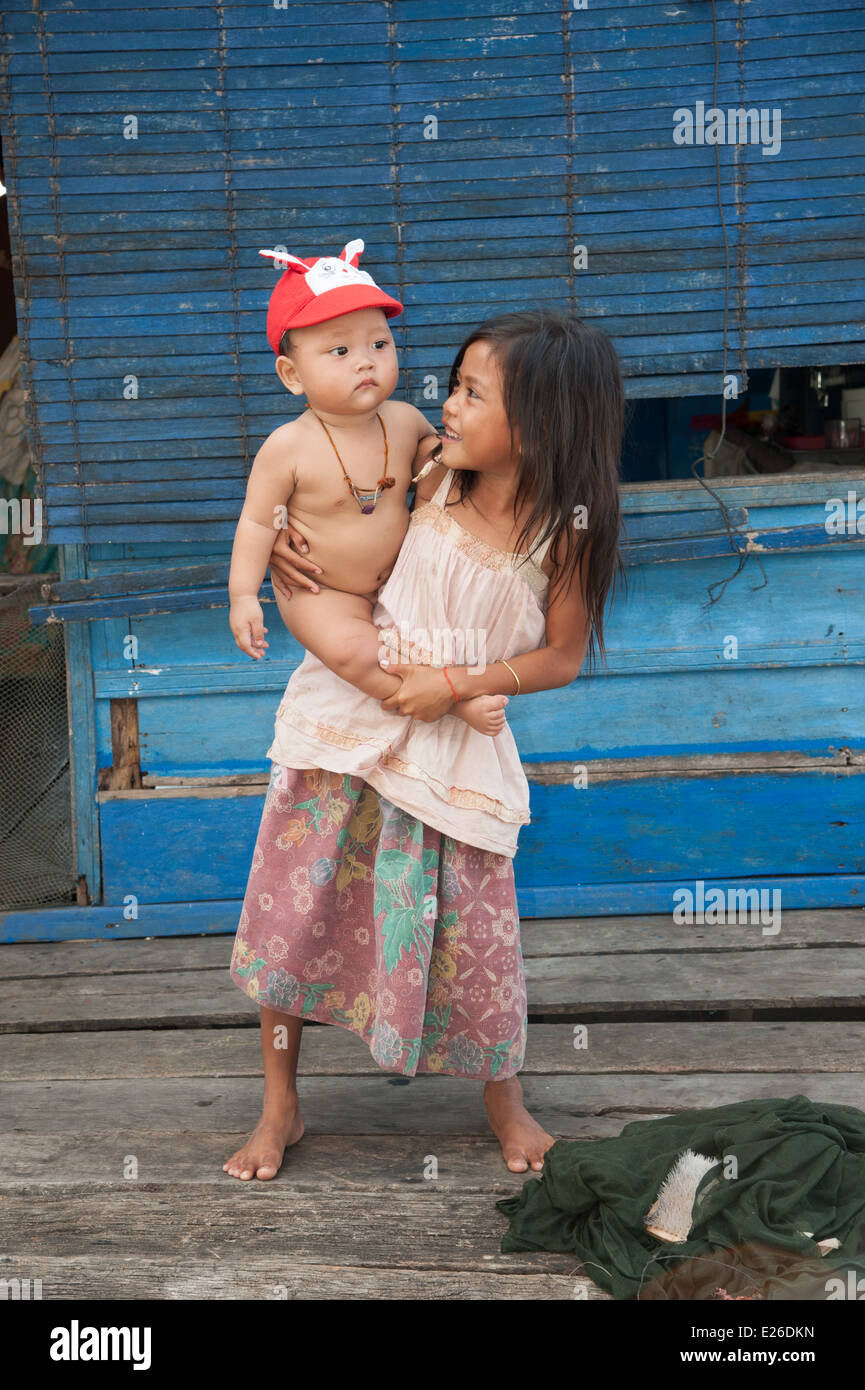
563	394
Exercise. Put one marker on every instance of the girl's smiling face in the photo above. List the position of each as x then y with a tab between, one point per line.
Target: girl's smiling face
478	437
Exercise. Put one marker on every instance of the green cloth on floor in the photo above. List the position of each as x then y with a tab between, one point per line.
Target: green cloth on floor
800	1166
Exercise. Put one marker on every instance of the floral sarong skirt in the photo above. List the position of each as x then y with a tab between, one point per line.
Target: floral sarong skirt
359	914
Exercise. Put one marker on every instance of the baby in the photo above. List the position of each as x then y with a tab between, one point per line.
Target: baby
344	465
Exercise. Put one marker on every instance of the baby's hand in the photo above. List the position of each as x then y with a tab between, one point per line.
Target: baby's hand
247	624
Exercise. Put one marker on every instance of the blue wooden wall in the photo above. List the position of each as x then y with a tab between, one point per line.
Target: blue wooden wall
475	145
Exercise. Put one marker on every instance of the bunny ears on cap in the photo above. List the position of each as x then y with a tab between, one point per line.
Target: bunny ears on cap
321	288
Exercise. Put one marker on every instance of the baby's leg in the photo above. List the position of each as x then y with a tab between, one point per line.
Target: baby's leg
337	628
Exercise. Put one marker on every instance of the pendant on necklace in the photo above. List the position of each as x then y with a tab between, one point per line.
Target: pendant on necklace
366	500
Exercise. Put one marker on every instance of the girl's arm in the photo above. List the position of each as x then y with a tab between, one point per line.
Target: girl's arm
556	664
425	693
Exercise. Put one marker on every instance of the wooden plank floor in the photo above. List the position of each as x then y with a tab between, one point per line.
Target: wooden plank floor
131	1069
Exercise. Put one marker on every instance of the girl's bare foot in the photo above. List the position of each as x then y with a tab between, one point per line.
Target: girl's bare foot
261	1156
523	1140
486	713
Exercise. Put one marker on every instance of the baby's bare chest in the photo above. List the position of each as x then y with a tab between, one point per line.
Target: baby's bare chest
368	498
353	548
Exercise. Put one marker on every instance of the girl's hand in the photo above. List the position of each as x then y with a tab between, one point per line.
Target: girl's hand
289	566
424	693
247	623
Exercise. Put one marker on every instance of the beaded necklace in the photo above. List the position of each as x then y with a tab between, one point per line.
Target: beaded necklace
365	499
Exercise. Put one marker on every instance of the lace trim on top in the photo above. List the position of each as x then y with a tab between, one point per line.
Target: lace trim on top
488	556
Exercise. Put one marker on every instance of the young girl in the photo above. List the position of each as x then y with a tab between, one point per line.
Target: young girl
381	896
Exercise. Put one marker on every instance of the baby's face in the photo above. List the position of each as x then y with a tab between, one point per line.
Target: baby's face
347	365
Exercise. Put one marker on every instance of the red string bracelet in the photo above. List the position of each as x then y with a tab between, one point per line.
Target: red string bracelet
450	683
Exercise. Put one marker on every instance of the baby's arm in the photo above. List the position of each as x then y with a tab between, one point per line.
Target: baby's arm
271	482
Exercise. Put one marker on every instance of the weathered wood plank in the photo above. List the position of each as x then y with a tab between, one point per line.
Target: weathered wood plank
391	1104
215	917
125	770
576	936
617	1048
684	765
657	983
775	979
392	1231
599	768
566	936
134	581
126	1001
80	709
229	1276
320	1162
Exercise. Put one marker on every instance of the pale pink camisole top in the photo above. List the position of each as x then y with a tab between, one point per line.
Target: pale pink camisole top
456	600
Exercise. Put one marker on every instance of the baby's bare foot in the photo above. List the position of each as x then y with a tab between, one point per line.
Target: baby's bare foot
261	1156
486	713
523	1140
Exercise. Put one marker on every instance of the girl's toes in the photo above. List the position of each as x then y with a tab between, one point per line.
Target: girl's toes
538	1155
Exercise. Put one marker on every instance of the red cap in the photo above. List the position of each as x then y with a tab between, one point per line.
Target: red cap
322	288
